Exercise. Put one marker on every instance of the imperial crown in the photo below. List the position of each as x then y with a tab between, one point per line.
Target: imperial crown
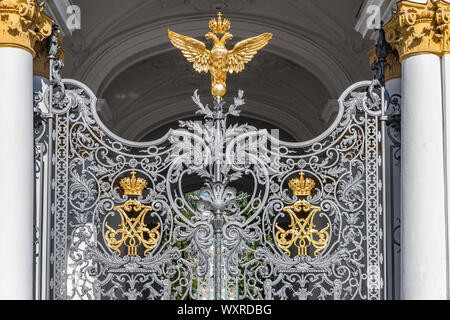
302	186
218	26
133	186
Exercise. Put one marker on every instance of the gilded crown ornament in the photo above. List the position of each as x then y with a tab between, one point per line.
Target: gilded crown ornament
302	186
218	26
133	186
219	60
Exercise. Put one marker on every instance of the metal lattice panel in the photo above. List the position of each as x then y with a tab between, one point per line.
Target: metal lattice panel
268	220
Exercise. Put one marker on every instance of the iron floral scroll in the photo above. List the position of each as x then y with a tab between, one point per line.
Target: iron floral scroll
346	262
224	237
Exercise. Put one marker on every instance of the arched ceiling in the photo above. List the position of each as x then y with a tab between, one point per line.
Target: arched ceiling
276	91
122	52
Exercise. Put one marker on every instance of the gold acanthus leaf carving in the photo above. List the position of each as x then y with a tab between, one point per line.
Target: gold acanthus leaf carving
23	23
419	28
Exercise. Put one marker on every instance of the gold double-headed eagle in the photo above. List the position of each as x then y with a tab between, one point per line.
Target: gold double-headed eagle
219	60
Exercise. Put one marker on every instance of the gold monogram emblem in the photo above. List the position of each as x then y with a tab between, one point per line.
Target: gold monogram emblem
302	233
133	232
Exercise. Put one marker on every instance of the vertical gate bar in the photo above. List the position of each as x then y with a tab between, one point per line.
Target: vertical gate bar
373	202
383	119
43	223
35	231
40	223
367	200
46	288
218	218
218	264
36	235
48	230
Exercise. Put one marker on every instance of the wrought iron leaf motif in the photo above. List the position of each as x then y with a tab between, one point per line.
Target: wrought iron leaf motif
203	110
215	228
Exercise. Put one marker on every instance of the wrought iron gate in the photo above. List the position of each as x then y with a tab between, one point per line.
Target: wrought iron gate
271	220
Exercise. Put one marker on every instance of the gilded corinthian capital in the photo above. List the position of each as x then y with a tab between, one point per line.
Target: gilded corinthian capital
392	66
22	23
443	23
417	28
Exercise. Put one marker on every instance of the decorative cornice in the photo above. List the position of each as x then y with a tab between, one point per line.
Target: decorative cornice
392	66
22	23
41	64
418	28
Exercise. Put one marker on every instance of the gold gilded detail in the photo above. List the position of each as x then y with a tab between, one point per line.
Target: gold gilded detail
219	26
133	231
219	60
133	186
22	23
419	28
302	186
442	24
302	233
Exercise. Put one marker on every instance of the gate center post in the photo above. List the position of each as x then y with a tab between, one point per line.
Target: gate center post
218	220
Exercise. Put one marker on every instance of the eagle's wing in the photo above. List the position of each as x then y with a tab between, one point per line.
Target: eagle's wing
193	50
245	50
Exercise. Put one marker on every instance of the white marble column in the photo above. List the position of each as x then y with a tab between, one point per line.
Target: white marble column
445	62
16	173
29	24
424	238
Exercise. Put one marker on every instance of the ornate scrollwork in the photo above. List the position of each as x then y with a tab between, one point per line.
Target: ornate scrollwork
191	229
222	237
